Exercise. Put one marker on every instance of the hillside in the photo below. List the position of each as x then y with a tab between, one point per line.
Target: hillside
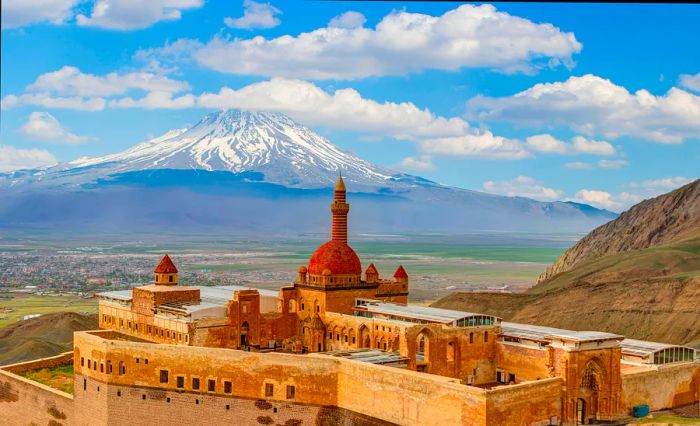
638	275
44	336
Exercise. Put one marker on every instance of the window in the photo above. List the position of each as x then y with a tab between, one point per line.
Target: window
119	393
195	383
228	388
170	278
290	392
109	367
164	376
345	338
102	368
82	361
137	360
180	382
122	368
212	385
269	390
143	396
318	309
84	384
145	361
353	340
486	336
500	377
89	364
228	407
302	306
94	365
471	337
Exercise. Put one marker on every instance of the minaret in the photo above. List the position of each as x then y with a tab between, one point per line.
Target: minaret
340	210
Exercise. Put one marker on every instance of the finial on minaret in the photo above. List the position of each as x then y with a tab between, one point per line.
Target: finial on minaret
339	209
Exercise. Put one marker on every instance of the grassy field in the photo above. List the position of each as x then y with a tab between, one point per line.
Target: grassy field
667	420
15	308
60	377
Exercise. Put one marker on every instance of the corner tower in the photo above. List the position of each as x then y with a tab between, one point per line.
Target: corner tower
166	272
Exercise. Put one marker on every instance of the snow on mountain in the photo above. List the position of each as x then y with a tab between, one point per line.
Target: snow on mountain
284	151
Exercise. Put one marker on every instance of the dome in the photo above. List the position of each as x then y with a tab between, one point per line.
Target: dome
336	256
302	269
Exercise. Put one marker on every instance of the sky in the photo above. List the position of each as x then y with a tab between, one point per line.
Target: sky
594	103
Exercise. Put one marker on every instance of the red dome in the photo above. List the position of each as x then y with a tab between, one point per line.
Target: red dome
336	256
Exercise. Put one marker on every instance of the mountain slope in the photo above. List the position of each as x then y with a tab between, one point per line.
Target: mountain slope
669	218
258	172
638	275
44	336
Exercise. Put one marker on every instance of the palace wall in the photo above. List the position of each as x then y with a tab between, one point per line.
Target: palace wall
662	387
23	401
532	403
525	363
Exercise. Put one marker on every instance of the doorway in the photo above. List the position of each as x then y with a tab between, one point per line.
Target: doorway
581	411
244	334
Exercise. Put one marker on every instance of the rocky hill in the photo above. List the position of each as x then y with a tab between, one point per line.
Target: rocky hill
666	219
44	336
638	275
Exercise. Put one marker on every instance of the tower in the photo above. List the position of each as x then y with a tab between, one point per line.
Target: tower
166	272
339	210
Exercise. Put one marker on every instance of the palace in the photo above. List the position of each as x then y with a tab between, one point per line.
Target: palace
339	346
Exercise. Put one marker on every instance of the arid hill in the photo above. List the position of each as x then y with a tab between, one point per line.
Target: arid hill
44	336
638	275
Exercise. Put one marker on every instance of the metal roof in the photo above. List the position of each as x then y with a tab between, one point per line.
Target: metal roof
372	356
424	313
540	333
116	294
644	348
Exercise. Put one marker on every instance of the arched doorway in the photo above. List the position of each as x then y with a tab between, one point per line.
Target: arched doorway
365	338
244	334
581	411
587	403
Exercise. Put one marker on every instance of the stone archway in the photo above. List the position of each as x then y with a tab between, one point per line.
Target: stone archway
244	334
589	389
365	338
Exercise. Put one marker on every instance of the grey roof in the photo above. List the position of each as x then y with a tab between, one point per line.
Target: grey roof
424	313
372	356
540	333
644	348
116	294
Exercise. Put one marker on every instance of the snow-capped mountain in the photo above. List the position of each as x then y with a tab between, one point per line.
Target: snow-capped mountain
252	171
283	150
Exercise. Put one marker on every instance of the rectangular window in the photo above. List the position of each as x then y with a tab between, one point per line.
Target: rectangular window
269	390
164	376
180	382
89	364
290	392
212	385
195	383
82	361
486	336
228	387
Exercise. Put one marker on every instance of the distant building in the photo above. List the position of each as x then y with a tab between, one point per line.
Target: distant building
339	346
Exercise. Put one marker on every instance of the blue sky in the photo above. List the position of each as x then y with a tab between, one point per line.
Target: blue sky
593	103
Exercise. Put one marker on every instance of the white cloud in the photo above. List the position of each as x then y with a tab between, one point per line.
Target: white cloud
659	186
422	163
70	81
255	15
348	20
549	144
601	199
479	145
70	88
155	100
134	14
43	126
343	109
595	106
17	13
613	164
468	36
691	82
523	186
15	159
578	165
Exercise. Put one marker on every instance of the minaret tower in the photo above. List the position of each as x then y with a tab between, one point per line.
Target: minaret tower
340	210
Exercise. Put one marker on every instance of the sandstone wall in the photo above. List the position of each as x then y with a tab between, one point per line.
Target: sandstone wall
662	387
24	402
532	403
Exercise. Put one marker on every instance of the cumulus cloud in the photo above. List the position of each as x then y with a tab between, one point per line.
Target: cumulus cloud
601	199
613	164
155	100
523	186
255	15
16	159
134	14
547	143
348	20
18	13
70	88
403	42
659	186
578	165
43	126
342	109
593	106
477	144
71	81
690	82
421	163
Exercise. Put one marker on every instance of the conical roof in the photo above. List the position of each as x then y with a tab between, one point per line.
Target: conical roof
166	266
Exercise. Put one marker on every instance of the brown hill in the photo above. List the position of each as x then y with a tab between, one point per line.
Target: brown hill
638	275
666	219
44	336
